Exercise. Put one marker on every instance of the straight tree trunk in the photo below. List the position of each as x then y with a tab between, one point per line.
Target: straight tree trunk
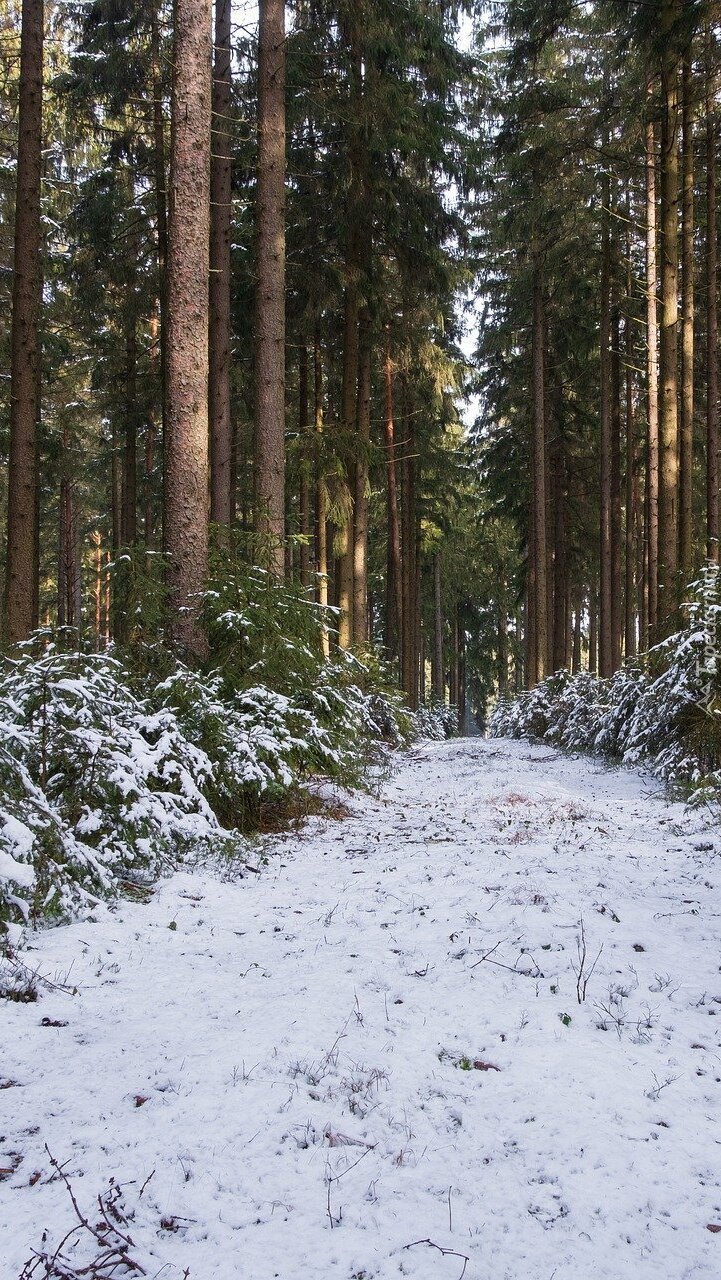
560	561
651	386
394	601
161	205
606	406
616	611
304	494
219	415
20	590
460	628
540	593
409	647
630	545
453	673
129	517
669	13
502	643
712	379
685	553
576	646
188	263
439	681
593	628
270	288
360	506
321	494
151	441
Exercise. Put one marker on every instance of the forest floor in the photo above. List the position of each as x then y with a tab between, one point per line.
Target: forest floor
371	1059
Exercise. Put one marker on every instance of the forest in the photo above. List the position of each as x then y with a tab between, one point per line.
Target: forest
360	448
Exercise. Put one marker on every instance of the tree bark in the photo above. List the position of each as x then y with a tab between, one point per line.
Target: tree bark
712	377
631	504
685	551
219	416
616	611
409	647
651	386
502	629
540	550
321	495
20	589
360	506
667	594
394	601
270	288
188	263
304	463
439	679
606	413
161	214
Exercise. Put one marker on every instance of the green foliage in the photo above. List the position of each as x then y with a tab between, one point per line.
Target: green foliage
664	709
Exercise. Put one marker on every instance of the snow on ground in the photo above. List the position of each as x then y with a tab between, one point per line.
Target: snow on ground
377	1043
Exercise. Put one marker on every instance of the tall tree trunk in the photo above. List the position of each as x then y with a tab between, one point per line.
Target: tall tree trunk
360	508
409	647
219	416
439	679
712	378
304	459
651	386
669	13
461	632
161	210
616	613
394	602
576	645
630	545
606	535
270	287
540	552
593	626
453	673
502	629
129	518
151	440
685	552
321	493
188	262
20	592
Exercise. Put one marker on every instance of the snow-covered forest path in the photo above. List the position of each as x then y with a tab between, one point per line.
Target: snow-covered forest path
374	1051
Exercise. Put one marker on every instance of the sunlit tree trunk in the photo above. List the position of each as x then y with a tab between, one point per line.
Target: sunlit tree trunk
270	288
685	553
712	383
651	385
360	506
20	588
669	12
188	261
219	415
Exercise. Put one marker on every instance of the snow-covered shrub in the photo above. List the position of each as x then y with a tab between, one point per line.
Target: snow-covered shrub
436	721
95	784
664	710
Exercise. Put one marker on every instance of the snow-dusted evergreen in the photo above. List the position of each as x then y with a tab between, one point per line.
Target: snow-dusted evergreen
663	710
118	764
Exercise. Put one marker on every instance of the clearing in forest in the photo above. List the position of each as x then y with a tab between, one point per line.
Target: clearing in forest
471	1028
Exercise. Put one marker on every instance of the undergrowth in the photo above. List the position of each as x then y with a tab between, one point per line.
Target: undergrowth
662	709
116	765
